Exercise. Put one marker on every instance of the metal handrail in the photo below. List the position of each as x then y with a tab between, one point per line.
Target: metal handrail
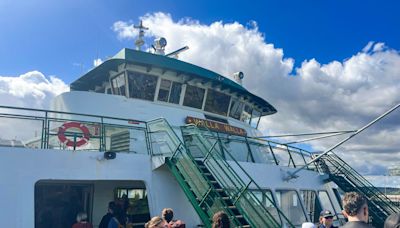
216	156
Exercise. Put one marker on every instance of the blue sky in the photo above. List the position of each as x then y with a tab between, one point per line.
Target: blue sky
59	36
325	65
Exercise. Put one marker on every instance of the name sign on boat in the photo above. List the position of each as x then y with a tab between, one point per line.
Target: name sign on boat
216	126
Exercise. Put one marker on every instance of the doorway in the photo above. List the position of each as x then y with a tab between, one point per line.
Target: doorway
57	204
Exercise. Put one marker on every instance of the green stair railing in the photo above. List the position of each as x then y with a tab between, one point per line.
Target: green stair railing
201	192
349	179
234	180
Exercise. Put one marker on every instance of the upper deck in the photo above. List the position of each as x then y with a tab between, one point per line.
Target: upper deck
161	79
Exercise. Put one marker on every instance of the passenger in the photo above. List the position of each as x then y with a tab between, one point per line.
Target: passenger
356	210
106	218
81	221
307	225
393	221
118	219
221	220
168	214
326	219
156	222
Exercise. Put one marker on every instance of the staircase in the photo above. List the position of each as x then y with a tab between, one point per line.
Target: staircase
208	181
349	180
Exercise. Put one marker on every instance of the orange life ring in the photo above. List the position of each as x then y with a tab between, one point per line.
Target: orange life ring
82	141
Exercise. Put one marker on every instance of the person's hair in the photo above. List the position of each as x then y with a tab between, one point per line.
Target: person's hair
167	214
220	220
153	222
111	205
353	202
392	221
81	216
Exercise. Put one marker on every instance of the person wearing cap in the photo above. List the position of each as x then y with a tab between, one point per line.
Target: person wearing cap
326	219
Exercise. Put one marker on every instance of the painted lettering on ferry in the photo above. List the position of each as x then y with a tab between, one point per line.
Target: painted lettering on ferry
215	126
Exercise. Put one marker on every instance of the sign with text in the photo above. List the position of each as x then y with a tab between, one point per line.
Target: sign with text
216	126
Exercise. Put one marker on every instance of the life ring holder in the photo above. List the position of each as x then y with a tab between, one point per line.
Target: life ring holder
82	141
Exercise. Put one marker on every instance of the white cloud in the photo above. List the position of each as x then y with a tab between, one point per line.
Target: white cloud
124	30
97	62
340	95
32	89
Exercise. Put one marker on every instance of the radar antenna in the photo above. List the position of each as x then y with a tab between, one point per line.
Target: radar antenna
139	41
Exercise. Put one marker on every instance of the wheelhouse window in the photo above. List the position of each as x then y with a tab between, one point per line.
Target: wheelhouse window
255	117
217	102
170	91
246	114
119	85
142	86
236	109
194	97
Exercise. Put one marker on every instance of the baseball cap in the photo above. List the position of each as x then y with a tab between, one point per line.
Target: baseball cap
326	213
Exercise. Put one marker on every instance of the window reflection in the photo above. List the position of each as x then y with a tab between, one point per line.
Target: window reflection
290	205
246	114
194	97
217	102
311	204
119	85
142	86
255	118
325	201
265	197
236	109
170	91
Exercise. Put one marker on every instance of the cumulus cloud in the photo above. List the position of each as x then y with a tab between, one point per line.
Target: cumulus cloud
29	90
32	89
315	97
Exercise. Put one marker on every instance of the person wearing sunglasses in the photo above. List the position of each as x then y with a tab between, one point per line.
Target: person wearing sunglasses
326	219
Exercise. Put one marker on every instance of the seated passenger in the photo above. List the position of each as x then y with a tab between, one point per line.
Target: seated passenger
81	221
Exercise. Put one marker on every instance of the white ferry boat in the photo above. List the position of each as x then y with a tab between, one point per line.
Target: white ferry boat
160	133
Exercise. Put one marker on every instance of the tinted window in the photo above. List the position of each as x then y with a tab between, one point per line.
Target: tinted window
246	114
193	97
170	91
255	118
163	93
175	94
142	86
217	102
118	85
236	109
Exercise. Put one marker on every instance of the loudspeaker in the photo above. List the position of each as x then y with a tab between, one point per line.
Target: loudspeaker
110	155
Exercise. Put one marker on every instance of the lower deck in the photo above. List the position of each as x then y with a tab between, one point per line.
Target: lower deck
47	188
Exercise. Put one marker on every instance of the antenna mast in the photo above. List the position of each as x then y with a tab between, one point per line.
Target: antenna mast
139	41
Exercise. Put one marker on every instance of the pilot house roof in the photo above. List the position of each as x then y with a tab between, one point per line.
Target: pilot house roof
100	74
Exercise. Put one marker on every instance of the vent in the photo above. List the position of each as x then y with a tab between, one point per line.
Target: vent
120	141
